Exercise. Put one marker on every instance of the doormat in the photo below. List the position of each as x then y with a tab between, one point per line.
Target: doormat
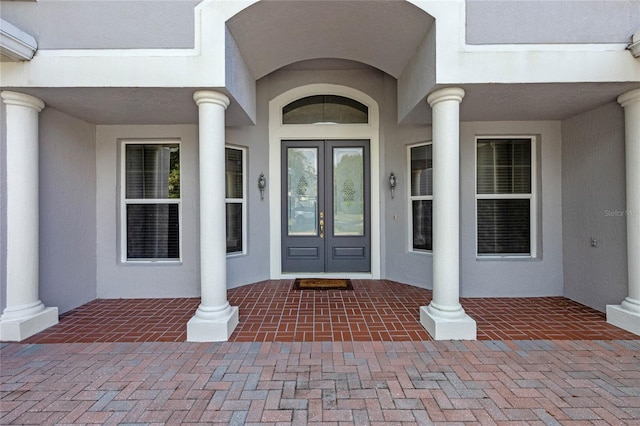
321	284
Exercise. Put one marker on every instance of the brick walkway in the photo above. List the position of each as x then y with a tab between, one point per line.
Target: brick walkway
345	383
328	357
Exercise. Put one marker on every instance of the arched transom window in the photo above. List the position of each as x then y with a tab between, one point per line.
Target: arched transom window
329	109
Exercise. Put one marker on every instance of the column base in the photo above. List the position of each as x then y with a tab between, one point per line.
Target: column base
623	318
16	330
217	330
463	328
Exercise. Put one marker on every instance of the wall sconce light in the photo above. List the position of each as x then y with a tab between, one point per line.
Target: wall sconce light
262	184
392	182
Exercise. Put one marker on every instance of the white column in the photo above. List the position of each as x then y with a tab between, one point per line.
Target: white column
444	318
24	315
214	319
627	314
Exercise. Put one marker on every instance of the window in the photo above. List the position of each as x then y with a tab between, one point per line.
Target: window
152	204
235	199
325	109
421	196
504	196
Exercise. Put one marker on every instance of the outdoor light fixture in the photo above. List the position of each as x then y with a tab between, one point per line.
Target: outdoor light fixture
392	182
262	184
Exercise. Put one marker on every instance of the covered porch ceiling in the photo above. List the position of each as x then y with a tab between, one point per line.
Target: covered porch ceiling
382	34
482	102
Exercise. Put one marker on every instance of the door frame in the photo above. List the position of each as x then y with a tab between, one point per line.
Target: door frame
333	253
279	132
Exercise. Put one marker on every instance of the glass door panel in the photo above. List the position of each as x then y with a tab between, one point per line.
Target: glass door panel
348	191
302	191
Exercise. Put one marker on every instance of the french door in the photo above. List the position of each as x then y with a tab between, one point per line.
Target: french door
326	207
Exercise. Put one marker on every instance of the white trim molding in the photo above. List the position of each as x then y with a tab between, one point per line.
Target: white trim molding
532	196
125	202
411	198
15	44
239	200
279	132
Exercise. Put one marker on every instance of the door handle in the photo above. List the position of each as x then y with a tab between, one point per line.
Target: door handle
321	224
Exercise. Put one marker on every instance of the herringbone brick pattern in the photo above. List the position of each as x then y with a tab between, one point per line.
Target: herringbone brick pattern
331	383
374	311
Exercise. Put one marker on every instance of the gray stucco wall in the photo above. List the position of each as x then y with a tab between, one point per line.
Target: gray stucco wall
535	21
67	211
497	277
116	279
104	24
539	276
400	264
593	187
170	23
255	265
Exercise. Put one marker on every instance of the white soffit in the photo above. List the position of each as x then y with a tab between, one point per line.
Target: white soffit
15	44
383	34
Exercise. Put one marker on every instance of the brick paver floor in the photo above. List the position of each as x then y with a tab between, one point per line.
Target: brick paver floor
328	357
375	310
334	383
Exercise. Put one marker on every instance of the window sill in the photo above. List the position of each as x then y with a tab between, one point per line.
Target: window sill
152	262
507	258
421	252
234	255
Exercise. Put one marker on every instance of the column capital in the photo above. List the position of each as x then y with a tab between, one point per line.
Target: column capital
629	98
211	97
446	94
21	99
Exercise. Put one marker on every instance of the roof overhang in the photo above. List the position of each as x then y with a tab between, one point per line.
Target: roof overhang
240	41
15	44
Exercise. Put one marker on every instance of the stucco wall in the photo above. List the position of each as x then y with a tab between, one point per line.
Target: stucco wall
134	280
593	187
541	276
104	24
115	279
67	211
400	264
255	266
517	21
170	23
525	277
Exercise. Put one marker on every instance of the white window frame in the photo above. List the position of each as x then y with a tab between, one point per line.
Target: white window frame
124	201
532	196
412	198
242	201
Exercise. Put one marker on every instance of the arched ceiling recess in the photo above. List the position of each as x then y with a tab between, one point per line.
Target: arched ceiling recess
271	34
